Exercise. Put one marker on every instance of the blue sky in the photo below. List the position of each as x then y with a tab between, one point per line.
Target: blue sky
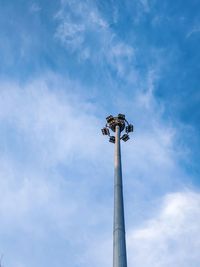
65	65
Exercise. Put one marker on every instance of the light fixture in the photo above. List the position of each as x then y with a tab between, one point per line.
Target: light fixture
129	128
115	123
112	139
121	116
105	131
110	119
125	137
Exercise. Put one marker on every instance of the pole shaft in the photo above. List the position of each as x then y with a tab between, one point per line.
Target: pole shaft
119	239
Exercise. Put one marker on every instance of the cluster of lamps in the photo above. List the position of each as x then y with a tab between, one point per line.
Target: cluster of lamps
121	121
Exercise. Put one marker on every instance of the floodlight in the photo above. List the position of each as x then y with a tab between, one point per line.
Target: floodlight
110	119
112	139
121	116
129	128
125	137
105	131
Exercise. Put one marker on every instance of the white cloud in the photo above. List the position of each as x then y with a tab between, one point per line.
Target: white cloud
98	20
82	29
51	151
44	117
35	8
46	168
120	57
76	21
194	30
56	168
71	34
172	237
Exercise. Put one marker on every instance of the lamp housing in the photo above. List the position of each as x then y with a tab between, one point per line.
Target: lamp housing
110	119
129	128
121	116
112	139
105	131
125	137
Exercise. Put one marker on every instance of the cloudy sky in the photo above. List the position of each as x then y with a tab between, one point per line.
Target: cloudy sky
64	66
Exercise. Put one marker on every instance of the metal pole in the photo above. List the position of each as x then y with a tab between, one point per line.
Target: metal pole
118	125
119	239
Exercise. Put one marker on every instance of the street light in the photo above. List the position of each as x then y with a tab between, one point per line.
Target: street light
118	125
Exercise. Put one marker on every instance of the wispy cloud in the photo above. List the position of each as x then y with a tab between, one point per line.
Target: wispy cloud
42	135
83	30
171	237
194	30
35	8
55	166
44	172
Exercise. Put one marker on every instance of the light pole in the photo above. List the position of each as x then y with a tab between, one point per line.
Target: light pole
118	125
